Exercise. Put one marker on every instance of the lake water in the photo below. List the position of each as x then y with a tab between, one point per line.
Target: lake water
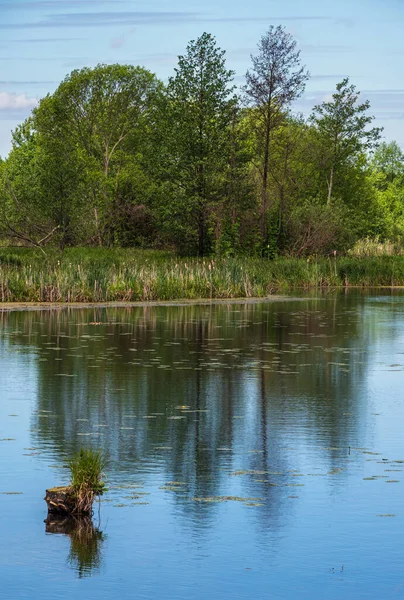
255	451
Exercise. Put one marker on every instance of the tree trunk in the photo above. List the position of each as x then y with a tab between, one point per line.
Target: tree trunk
330	184
201	233
280	216
265	185
97	227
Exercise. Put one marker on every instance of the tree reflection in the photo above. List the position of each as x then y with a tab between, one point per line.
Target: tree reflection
196	393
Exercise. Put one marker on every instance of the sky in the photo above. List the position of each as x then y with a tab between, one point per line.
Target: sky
41	41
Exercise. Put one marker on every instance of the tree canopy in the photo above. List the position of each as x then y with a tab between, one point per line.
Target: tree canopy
115	157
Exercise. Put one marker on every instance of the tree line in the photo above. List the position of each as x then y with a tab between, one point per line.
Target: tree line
114	157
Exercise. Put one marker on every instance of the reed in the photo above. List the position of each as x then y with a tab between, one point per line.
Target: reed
98	275
376	247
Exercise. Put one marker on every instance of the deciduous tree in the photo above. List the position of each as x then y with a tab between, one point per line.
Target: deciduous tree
274	81
343	124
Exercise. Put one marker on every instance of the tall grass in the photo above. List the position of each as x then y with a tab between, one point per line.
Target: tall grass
86	468
375	247
98	275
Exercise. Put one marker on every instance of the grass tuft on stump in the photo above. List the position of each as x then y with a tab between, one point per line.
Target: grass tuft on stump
86	468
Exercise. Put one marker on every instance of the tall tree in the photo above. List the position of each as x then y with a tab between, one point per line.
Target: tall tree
342	124
273	82
235	215
59	168
102	113
199	112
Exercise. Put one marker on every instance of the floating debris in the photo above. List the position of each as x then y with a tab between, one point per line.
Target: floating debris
226	499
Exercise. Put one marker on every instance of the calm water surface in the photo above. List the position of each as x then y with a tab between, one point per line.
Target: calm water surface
254	451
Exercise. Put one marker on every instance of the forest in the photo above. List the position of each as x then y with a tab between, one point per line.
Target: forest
115	158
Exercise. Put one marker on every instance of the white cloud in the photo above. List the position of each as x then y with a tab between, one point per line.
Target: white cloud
16	101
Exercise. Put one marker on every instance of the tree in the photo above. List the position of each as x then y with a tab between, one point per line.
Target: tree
275	80
342	125
22	208
387	173
235	215
101	115
60	170
388	162
198	114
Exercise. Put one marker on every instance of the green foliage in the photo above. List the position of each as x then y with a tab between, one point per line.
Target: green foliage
274	81
22	213
388	164
198	111
343	130
86	469
113	158
91	133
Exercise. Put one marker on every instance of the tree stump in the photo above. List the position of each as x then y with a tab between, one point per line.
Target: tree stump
61	500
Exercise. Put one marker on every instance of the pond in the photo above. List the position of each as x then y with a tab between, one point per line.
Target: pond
255	450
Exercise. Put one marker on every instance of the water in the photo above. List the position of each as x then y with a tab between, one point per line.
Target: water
255	451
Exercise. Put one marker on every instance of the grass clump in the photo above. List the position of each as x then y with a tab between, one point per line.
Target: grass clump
86	468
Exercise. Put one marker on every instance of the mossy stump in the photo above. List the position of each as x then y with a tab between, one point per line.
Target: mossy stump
86	484
61	500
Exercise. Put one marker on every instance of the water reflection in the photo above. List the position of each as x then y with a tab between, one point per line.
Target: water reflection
218	398
264	437
86	540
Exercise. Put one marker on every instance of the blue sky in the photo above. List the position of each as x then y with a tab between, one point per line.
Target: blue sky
43	40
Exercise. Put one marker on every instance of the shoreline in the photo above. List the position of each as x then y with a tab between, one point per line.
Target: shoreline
128	278
21	306
9	306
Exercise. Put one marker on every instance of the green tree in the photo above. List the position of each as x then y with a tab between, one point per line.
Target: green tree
198	114
23	214
387	167
60	171
342	124
274	81
102	115
388	163
235	226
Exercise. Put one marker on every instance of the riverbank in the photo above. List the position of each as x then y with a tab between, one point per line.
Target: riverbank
83	275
